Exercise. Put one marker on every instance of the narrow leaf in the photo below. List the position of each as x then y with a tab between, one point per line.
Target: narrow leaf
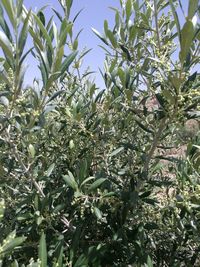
100	36
98	213
4	25
144	127
87	180
23	34
6	45
44	31
116	151
43	251
13	244
128	9
67	62
192	8
176	18
58	59
31	150
50	170
70	181
97	184
10	10
112	39
56	94
187	35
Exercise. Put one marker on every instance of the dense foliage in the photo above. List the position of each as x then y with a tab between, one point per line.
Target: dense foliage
101	177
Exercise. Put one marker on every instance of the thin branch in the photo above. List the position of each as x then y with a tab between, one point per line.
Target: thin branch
26	170
154	145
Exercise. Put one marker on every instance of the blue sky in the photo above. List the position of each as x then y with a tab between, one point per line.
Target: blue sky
92	16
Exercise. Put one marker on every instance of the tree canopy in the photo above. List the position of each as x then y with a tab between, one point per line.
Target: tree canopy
109	176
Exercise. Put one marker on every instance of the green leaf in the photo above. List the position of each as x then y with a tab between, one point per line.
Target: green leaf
100	36
43	73
149	262
56	94
4	25
4	77
77	15
44	31
59	255
168	96
187	35
15	264
128	9
75	44
65	29
126	51
109	194
117	19
2	208
58	59
144	127
176	19
23	34
36	39
71	144
6	45
43	251
50	170
96	184
24	56
112	39
105	27
116	151
8	5
98	213
58	14
67	62
19	6
196	146
122	76
31	150
82	261
41	16
4	101
87	180
70	181
68	4
192	8
133	33
12	242
52	78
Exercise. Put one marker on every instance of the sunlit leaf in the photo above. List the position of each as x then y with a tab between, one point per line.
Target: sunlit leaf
187	35
68	61
6	45
70	181
176	19
116	151
192	8
24	33
128	9
8	5
100	36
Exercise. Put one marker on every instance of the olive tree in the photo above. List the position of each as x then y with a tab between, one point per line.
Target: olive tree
86	173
